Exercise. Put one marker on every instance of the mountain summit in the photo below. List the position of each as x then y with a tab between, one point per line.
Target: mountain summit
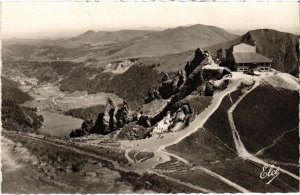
179	39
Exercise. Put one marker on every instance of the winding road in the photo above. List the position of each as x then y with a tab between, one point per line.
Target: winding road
157	145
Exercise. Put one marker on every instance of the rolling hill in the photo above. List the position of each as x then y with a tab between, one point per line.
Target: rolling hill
176	40
107	46
106	37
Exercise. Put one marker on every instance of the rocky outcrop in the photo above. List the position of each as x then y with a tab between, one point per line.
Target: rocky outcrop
168	87
87	125
123	115
78	133
132	131
193	81
174	120
106	122
183	84
217	85
215	72
200	55
171	86
152	95
144	121
163	125
109	119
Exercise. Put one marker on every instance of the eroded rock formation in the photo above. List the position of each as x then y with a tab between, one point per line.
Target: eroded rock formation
123	115
200	55
107	122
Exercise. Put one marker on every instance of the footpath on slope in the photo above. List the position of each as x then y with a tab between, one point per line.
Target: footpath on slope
240	148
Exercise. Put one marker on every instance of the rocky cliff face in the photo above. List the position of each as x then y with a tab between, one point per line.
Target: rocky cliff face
191	82
183	82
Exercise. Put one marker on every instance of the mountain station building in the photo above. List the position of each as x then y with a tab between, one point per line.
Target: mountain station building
243	56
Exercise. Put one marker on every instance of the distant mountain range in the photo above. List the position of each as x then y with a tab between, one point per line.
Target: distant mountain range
107	37
103	47
118	44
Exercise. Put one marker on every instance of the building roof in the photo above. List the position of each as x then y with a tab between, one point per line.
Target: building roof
246	43
240	43
250	57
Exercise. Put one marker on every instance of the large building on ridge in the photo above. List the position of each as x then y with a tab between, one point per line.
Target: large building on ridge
242	56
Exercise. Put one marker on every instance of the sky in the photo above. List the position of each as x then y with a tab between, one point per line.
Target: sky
63	19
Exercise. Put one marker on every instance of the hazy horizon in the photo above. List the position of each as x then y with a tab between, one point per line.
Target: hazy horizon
66	19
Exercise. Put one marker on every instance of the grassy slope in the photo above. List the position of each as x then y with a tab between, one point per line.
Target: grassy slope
218	123
213	142
202	147
247	173
271	119
61	158
270	112
285	150
206	150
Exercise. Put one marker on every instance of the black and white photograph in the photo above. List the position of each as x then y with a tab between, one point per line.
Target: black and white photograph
149	96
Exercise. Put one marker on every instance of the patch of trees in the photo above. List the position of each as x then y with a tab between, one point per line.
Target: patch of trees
86	113
133	85
85	78
13	116
10	91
